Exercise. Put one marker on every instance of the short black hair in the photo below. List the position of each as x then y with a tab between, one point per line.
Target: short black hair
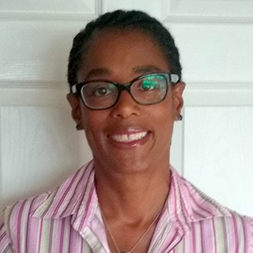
123	20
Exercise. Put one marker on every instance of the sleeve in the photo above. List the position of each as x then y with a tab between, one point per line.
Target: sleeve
5	243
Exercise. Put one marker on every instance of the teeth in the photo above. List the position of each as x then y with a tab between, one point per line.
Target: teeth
129	137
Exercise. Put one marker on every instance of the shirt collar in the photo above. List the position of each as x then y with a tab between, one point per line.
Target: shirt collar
75	194
188	204
77	197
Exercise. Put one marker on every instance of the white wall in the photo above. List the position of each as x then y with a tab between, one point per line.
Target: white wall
213	145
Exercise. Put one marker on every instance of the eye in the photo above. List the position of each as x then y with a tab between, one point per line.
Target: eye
101	91
147	85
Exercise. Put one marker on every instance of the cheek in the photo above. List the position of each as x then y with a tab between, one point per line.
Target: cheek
165	119
166	125
166	110
93	121
89	122
92	128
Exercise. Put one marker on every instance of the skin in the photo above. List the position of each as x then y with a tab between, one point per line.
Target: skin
134	172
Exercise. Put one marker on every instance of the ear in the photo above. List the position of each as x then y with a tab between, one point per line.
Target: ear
178	102
76	109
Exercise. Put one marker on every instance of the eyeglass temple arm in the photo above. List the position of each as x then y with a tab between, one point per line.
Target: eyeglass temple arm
174	78
73	89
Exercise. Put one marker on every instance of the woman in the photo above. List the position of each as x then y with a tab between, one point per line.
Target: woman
126	93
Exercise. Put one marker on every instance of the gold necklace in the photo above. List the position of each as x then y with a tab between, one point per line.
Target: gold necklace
136	244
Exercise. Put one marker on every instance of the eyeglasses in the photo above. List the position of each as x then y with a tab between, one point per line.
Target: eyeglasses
145	90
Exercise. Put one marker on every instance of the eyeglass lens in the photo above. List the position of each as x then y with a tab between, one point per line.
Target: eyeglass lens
146	90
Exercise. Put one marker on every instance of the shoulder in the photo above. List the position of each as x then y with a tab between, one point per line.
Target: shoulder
234	232
18	219
212	223
14	219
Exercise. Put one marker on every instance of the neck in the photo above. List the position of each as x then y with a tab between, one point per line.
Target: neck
127	191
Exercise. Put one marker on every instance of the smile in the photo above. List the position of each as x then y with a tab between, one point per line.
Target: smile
129	137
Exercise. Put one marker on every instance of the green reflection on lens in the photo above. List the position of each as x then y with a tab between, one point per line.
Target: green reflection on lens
151	77
148	84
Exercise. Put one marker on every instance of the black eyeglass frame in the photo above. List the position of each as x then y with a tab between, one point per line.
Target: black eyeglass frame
170	79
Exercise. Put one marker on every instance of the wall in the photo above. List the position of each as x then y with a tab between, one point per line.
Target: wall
212	146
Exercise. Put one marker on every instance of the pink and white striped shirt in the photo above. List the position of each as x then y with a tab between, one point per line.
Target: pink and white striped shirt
68	220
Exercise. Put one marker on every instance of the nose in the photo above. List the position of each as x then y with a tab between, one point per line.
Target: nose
125	106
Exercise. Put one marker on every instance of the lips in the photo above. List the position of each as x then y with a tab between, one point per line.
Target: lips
125	138
128	136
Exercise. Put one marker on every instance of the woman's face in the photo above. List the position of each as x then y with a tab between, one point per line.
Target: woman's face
128	137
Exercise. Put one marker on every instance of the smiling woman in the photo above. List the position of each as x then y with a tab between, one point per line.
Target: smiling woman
125	93
127	62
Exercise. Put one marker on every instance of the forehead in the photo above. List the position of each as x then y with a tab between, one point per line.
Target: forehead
122	50
123	39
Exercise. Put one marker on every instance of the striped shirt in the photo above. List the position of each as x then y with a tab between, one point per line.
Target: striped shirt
68	220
